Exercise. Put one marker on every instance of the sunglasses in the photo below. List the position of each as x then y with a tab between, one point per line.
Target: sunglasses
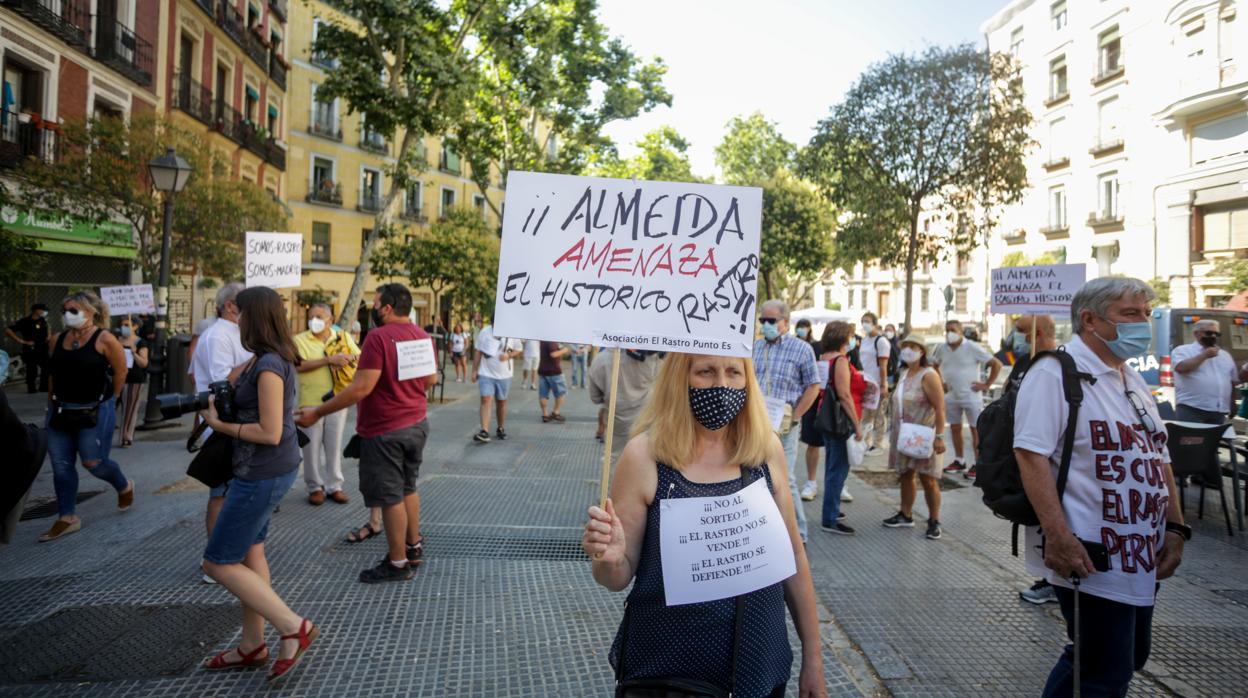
768	320
1210	333
71	311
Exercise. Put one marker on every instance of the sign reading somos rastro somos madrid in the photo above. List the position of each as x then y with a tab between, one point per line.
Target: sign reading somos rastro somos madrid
651	265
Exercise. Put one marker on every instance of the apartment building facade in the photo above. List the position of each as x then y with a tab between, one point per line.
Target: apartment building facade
339	177
65	60
1142	133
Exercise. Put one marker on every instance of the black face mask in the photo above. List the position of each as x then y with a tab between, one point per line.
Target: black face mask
714	408
1208	341
375	315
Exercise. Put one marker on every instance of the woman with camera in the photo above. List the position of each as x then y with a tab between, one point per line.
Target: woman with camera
88	372
704	433
135	349
265	463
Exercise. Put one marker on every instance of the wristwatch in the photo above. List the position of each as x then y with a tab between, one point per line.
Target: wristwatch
1181	529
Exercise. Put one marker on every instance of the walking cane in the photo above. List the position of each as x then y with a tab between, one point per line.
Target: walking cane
1078	649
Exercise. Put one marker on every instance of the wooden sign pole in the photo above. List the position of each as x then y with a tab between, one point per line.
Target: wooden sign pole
610	430
1034	321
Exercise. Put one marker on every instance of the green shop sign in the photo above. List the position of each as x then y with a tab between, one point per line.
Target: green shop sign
66	234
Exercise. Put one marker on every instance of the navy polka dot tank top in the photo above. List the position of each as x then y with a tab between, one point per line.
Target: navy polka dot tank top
694	641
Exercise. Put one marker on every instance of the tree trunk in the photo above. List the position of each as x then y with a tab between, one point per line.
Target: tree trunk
349	308
767	285
912	250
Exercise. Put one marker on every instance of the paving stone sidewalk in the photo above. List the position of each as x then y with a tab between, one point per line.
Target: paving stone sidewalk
505	605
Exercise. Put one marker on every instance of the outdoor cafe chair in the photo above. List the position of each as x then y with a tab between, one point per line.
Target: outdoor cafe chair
1194	452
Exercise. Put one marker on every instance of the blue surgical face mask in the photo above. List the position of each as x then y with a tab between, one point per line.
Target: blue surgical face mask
802	332
853	344
771	330
1133	339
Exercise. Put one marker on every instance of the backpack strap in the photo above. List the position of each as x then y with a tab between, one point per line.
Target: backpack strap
1073	387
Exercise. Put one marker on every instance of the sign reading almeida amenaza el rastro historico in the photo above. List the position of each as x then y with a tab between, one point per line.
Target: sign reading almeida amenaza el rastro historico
1036	289
649	265
274	260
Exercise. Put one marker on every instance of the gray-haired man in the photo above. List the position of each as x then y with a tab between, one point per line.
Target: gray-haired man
1205	377
785	368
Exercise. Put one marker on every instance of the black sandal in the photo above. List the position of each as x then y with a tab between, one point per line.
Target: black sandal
355	536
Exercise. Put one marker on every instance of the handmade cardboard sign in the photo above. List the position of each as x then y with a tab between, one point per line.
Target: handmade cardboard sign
124	300
718	547
274	260
666	266
1035	290
416	358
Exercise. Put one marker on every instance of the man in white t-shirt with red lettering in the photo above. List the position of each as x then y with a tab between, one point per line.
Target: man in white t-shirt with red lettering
1120	490
1204	377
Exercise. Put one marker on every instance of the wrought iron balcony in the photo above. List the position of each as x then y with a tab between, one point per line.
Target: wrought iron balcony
228	122
328	194
275	155
123	50
193	98
252	138
68	19
256	47
23	137
279	8
370	201
231	21
325	129
207	6
373	141
277	71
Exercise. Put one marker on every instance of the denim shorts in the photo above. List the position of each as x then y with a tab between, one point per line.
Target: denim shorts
551	384
244	518
496	388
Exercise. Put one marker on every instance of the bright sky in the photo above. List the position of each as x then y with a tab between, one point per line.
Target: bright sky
790	59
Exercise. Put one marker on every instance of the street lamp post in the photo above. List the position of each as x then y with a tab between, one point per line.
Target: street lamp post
169	174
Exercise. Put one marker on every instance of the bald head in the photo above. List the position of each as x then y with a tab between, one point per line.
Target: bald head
1046	332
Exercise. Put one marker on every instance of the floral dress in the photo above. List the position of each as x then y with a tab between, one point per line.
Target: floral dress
911	402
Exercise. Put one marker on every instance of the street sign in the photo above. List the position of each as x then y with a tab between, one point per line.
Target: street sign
667	266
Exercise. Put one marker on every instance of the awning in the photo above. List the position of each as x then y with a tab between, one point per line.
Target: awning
252	93
272	112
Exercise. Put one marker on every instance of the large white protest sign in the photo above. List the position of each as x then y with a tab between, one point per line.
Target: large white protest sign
1036	289
123	300
649	265
415	358
274	259
717	547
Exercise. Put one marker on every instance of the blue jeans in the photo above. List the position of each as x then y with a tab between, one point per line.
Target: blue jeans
578	370
65	448
244	518
790	454
1115	639
551	384
835	470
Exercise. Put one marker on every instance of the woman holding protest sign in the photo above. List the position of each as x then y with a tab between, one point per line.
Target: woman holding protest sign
704	440
917	437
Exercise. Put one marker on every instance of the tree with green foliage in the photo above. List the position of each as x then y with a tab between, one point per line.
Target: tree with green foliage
101	175
795	252
458	255
943	133
501	80
17	251
1162	288
753	151
663	156
1236	273
1018	259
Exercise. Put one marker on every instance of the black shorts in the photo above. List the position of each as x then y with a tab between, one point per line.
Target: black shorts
811	434
390	464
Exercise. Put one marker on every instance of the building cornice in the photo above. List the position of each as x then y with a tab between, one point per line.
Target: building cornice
1003	16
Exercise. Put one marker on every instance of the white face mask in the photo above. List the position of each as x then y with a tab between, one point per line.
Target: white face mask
909	355
74	319
867	328
890	334
952	337
316	324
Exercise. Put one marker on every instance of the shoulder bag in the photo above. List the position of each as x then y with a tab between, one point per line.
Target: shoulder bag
832	418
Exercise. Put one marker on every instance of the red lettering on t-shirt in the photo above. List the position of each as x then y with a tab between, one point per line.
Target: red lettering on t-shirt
1111	506
1101	436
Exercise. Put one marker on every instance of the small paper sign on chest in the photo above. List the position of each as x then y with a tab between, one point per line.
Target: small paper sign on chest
415	358
719	547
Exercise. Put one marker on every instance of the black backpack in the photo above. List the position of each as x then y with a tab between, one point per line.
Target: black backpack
997	471
893	367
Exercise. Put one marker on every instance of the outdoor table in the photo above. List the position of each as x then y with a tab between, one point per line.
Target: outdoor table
1230	439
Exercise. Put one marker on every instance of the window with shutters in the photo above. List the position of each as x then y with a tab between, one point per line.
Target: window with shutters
1016	43
1226	227
959	300
1109	57
320	242
1057	79
1057	11
925	300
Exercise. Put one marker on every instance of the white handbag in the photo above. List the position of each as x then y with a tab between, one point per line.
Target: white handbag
915	440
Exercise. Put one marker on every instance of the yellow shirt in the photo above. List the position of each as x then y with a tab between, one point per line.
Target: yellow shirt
315	384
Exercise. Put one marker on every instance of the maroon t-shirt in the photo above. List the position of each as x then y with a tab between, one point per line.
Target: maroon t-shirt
546	364
393	404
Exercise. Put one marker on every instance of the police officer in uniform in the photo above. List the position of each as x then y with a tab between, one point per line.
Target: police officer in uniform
32	333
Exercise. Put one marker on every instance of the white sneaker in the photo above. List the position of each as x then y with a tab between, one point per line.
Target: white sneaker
809	490
845	495
208	580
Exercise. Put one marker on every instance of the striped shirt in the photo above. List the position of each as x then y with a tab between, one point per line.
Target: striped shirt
785	367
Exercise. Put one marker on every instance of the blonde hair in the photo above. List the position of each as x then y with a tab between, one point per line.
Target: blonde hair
669	422
92	301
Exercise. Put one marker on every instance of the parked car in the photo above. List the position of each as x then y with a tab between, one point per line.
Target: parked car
1172	327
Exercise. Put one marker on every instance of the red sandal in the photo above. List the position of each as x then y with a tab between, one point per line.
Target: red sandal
305	638
247	659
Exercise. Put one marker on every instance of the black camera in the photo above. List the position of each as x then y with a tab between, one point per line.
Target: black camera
174	405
